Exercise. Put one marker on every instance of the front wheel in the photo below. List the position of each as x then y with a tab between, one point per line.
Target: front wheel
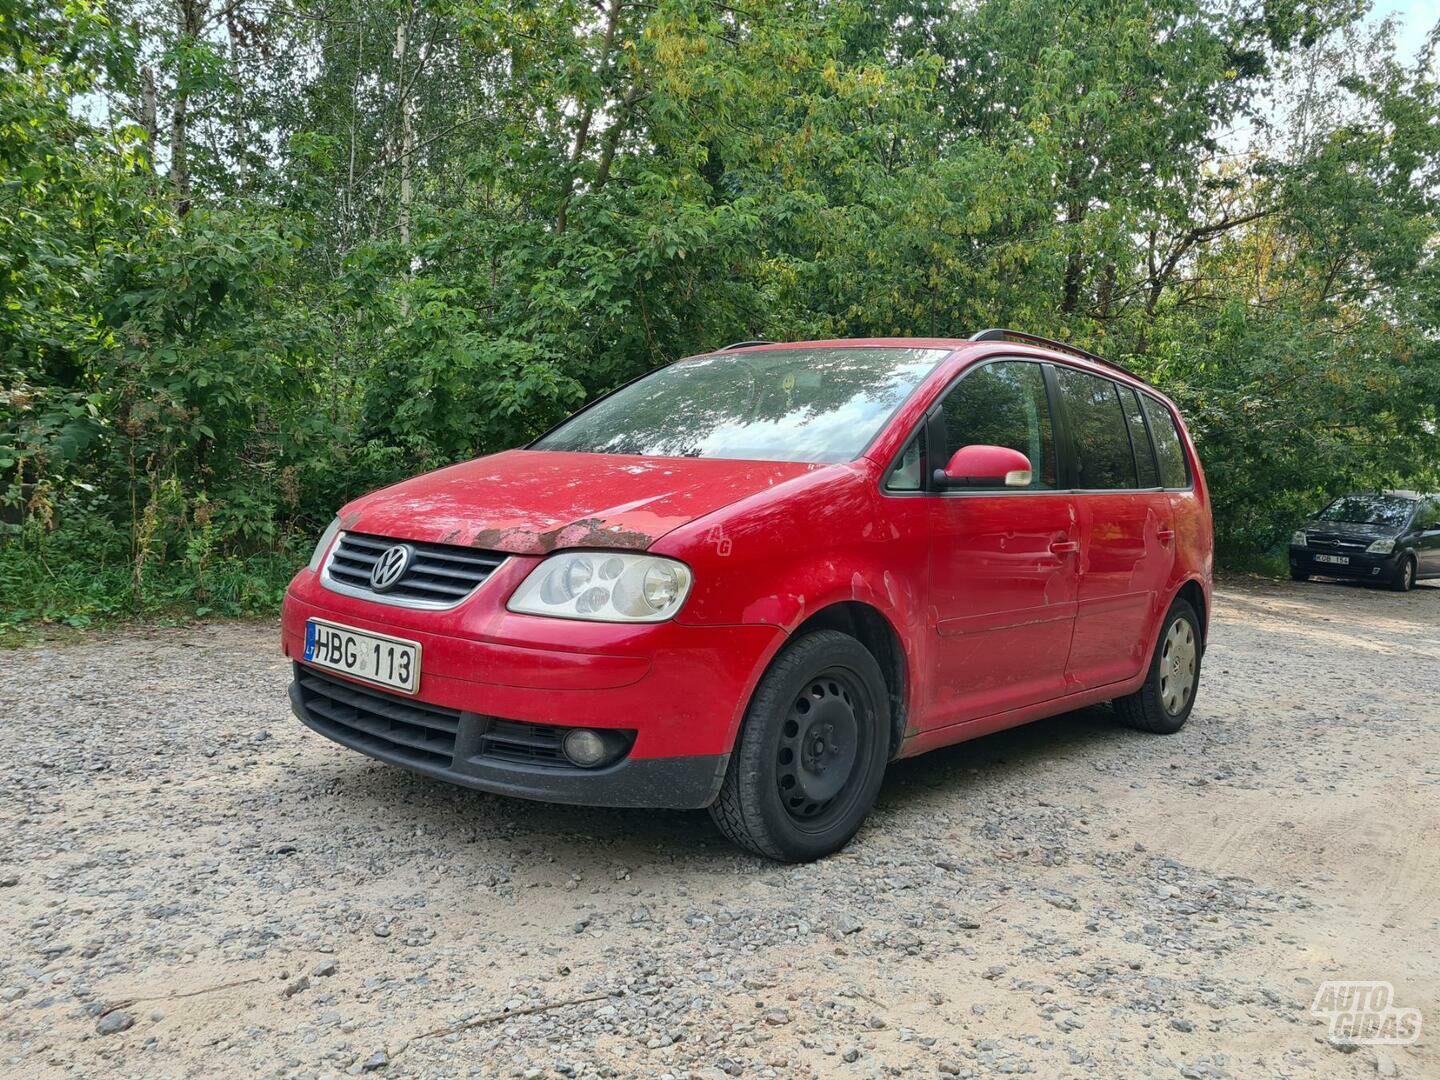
811	752
1164	700
1404	579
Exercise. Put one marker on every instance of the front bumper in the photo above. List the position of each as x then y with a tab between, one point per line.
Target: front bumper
1360	565
681	689
681	783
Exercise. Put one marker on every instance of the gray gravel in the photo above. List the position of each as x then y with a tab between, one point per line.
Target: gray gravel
193	884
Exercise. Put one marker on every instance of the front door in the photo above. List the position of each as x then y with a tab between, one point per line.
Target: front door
1002	562
1428	545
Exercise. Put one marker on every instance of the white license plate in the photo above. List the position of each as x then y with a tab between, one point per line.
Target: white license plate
1335	560
376	658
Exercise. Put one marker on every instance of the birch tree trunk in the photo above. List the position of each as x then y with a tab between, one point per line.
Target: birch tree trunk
407	129
188	14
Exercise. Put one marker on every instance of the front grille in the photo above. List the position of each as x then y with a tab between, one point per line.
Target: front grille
1322	542
373	719
439	575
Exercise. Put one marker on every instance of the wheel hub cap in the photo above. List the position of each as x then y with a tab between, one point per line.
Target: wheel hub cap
1177	666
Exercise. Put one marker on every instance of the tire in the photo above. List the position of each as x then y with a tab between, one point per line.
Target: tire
1404	577
1296	575
1162	705
780	797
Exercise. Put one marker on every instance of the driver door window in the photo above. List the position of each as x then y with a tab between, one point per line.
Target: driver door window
1002	404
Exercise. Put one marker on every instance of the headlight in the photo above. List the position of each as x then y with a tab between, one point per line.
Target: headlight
326	539
604	586
1382	547
1299	540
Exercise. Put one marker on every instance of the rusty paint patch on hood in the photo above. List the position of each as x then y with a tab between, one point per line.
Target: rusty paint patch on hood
530	502
591	532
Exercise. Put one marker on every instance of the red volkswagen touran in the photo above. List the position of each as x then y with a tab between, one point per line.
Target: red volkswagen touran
750	579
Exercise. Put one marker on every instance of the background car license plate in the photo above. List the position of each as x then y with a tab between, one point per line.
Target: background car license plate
1338	560
388	661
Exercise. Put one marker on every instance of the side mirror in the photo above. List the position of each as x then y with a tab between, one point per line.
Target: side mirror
985	466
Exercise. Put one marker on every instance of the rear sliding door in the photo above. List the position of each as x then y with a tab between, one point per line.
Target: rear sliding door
1125	523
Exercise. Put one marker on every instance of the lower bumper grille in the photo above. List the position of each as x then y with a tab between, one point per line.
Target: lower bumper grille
528	744
412	729
1368	566
419	733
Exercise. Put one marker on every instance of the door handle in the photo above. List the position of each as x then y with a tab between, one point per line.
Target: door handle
1165	535
1065	547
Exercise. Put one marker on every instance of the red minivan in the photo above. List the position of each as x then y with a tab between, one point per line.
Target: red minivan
750	579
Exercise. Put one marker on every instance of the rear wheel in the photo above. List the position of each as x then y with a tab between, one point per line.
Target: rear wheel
1404	579
1163	702
811	753
1299	575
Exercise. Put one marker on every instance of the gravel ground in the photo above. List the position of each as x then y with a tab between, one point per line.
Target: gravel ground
193	884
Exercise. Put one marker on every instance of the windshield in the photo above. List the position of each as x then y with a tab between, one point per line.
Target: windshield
1368	510
820	405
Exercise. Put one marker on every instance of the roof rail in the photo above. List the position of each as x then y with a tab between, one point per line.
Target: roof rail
1000	334
745	344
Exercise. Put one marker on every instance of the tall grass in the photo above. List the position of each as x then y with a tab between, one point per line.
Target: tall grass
87	572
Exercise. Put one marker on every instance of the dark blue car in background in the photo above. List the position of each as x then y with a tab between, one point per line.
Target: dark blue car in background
1391	537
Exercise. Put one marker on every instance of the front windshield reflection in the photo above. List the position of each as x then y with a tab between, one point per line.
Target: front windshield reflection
816	405
1368	510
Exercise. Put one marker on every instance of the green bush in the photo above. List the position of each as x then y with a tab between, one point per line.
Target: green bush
84	572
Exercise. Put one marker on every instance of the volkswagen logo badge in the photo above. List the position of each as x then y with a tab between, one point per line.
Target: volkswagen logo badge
390	567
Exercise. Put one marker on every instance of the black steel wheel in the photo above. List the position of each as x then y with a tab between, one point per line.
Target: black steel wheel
809	759
820	747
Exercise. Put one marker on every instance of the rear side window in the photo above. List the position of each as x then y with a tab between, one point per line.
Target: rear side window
1168	450
1002	404
1145	467
1099	437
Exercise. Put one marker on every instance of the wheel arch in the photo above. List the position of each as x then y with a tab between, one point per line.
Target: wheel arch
1193	593
869	625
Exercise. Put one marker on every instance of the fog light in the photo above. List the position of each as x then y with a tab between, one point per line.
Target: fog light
586	748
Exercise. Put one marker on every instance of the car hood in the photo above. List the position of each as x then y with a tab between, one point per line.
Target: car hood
532	502
1351	530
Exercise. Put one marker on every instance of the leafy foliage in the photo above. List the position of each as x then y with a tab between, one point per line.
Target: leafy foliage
255	259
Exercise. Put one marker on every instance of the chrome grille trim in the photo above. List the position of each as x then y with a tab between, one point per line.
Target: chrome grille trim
439	577
1332	542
